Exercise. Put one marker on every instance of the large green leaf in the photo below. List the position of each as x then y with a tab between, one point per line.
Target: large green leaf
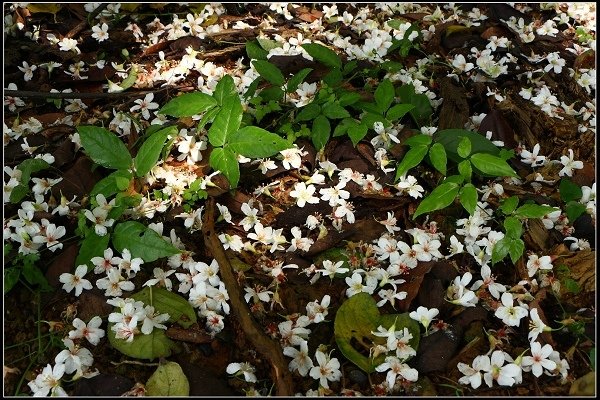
356	318
321	129
150	150
411	159
188	104
141	241
384	95
91	246
108	185
441	197
147	347
179	309
226	122
468	197
533	211
269	72
569	191
508	245
492	165
357	132
335	111
255	142
451	138
168	380
225	160
255	51
309	112
104	147
297	79
323	54
437	156
224	89
398	111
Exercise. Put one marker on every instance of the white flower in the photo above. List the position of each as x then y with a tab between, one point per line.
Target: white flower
99	217
244	368
456	247
569	164
161	277
427	248
410	185
75	281
48	381
145	105
27	70
153	319
292	157
90	331
301	360
50	235
460	64
67	44
535	263
457	293
250	218
538	361
327	370
126	264
472	374
74	358
509	314
397	367
536	325
304	194
100	32
495	369
424	316
329	268
489	283
356	286
532	158
114	283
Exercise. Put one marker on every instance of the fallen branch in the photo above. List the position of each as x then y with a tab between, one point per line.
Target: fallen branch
268	348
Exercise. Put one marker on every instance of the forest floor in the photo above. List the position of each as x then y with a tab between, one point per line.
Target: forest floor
38	313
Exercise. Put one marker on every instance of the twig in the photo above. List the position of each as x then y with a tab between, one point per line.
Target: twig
81	26
133	362
268	348
87	95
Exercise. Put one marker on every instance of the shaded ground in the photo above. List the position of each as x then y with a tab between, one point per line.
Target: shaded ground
204	359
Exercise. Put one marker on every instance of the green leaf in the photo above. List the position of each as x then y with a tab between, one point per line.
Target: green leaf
149	152
384	95
225	88
321	129
30	166
268	44
441	197
437	156
34	276
18	193
309	112
492	165
225	160
179	309
508	206
569	191
269	72
333	78
168	380
500	249
272	93
348	98
188	104
398	111
468	197
465	170
104	147
574	209
411	159
571	286
91	246
323	54
297	79
464	147
532	211
423	110
226	122
146	347
208	116
356	318
108	185
508	246
418	140
357	133
255	142
450	138
513	227
255	51
335	111
141	241
516	249
11	277
131	78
